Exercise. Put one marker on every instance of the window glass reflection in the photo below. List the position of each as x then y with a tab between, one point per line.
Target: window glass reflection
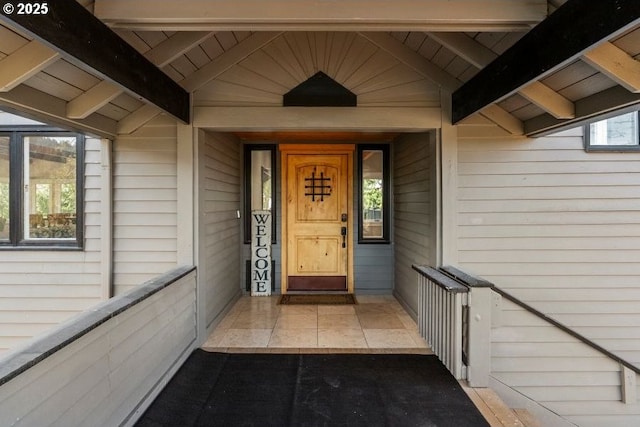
4	187
372	194
50	196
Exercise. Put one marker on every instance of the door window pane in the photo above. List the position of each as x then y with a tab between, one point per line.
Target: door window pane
50	195
4	188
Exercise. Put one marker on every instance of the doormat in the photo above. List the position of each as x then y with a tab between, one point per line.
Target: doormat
335	299
309	390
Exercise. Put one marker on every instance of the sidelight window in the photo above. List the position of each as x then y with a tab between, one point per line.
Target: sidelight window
373	166
259	185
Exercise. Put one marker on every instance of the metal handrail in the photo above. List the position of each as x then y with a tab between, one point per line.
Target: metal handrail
472	281
440	279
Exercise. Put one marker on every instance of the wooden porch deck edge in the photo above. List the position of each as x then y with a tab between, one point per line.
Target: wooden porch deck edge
496	412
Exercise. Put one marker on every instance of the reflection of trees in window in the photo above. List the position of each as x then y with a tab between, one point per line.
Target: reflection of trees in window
372	198
4	200
4	187
42	198
4	210
373	165
68	198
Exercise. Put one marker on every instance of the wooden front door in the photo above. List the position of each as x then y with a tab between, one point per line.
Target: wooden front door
317	249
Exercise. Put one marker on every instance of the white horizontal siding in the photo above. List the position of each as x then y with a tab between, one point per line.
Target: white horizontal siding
560	229
557	371
144	203
220	227
414	212
557	227
39	289
100	378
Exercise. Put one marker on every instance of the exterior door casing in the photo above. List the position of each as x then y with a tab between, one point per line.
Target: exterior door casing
317	252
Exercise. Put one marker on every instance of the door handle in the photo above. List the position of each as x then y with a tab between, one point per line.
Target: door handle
343	233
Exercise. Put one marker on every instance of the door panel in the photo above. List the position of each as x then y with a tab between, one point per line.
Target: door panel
315	254
317	207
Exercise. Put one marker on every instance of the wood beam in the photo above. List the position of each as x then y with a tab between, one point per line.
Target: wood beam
465	47
359	119
413	60
24	63
609	101
616	64
161	55
480	56
558	40
175	46
313	15
92	100
549	100
72	30
503	119
137	119
50	109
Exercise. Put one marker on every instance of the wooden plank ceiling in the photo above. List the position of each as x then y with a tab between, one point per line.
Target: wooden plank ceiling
450	47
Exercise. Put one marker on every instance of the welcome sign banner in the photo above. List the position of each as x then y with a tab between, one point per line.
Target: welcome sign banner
260	253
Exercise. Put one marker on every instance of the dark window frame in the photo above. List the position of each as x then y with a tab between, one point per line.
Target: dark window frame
612	148
16	239
386	195
248	148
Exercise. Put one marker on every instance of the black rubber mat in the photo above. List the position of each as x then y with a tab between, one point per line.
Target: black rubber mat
220	389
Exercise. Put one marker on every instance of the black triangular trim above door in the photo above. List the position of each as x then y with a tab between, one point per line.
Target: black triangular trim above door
319	90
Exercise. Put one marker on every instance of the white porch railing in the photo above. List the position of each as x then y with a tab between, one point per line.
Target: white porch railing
440	308
105	365
455	319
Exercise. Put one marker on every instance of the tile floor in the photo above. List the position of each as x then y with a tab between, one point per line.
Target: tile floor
260	324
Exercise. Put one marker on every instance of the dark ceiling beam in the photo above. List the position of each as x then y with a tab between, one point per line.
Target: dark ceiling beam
81	37
565	35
